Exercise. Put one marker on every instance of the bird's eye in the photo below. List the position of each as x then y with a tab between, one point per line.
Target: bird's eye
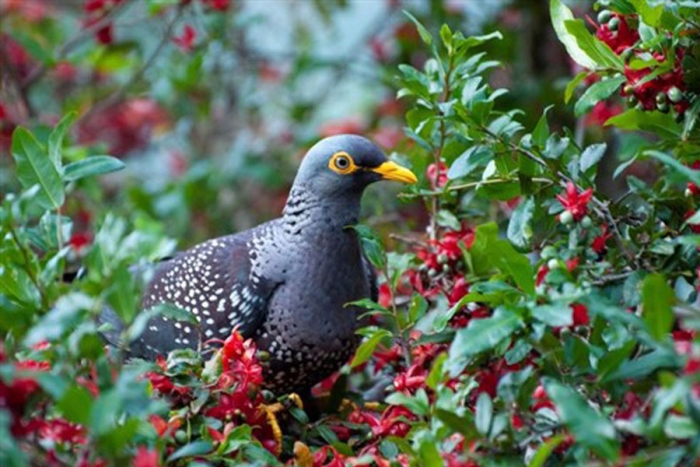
342	163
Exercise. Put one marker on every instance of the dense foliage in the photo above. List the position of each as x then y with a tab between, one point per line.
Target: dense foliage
548	313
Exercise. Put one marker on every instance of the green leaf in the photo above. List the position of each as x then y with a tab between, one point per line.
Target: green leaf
683	170
541	131
658	299
35	167
490	252
591	156
372	246
597	92
649	14
596	49
197	448
589	428
95	165
469	160
560	14
555	315
659	123
573	84
57	135
366	349
76	404
418	404
436	374
482	335
424	33
520	225
545	450
484	413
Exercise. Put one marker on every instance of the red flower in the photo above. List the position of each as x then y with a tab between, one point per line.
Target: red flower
80	240
580	314
601	113
619	40
145	458
646	92
541	274
162	382
61	431
541	399
186	40
598	244
437	175
575	203
164	428
220	5
694	227
321	457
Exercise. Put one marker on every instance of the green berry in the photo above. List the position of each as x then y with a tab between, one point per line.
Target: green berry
566	217
628	89
675	95
553	264
662	107
661	98
604	16
632	100
586	222
614	23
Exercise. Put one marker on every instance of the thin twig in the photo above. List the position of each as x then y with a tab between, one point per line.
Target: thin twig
609	278
117	95
408	240
38	72
600	207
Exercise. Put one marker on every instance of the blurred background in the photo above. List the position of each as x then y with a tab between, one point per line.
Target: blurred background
212	103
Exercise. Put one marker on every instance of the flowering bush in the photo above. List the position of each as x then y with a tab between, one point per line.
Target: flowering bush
539	319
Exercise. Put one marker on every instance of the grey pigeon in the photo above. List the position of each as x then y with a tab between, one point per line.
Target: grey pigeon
286	282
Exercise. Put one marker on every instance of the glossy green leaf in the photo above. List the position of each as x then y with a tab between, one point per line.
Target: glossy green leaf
35	167
57	135
591	156
658	299
597	92
95	165
367	347
483	413
520	224
589	428
560	14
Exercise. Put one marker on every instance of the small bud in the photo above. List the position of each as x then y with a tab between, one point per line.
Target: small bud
661	98
432	272
662	107
675	95
442	258
632	100
614	23
548	252
445	268
553	264
604	16
566	217
586	222
688	193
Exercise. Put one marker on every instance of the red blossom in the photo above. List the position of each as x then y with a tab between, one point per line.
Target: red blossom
646	90
620	39
574	202
145	458
219	5
580	314
62	431
186	40
598	244
541	274
601	113
164	428
695	228
162	383
541	399
437	175
80	240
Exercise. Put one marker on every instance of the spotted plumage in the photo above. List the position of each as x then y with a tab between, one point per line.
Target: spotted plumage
284	283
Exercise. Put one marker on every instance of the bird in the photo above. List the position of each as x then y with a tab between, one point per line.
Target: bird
288	283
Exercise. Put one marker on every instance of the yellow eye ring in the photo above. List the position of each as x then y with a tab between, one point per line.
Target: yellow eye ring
342	163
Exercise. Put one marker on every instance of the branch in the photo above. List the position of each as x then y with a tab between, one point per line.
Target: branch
38	72
117	95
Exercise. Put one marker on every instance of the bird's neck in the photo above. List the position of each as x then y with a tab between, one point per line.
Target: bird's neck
306	213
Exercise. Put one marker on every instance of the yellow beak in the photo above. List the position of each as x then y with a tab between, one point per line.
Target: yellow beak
393	171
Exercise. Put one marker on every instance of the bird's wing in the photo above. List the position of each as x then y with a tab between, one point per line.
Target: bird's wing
215	282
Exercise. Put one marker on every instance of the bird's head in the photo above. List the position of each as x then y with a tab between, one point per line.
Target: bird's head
344	165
